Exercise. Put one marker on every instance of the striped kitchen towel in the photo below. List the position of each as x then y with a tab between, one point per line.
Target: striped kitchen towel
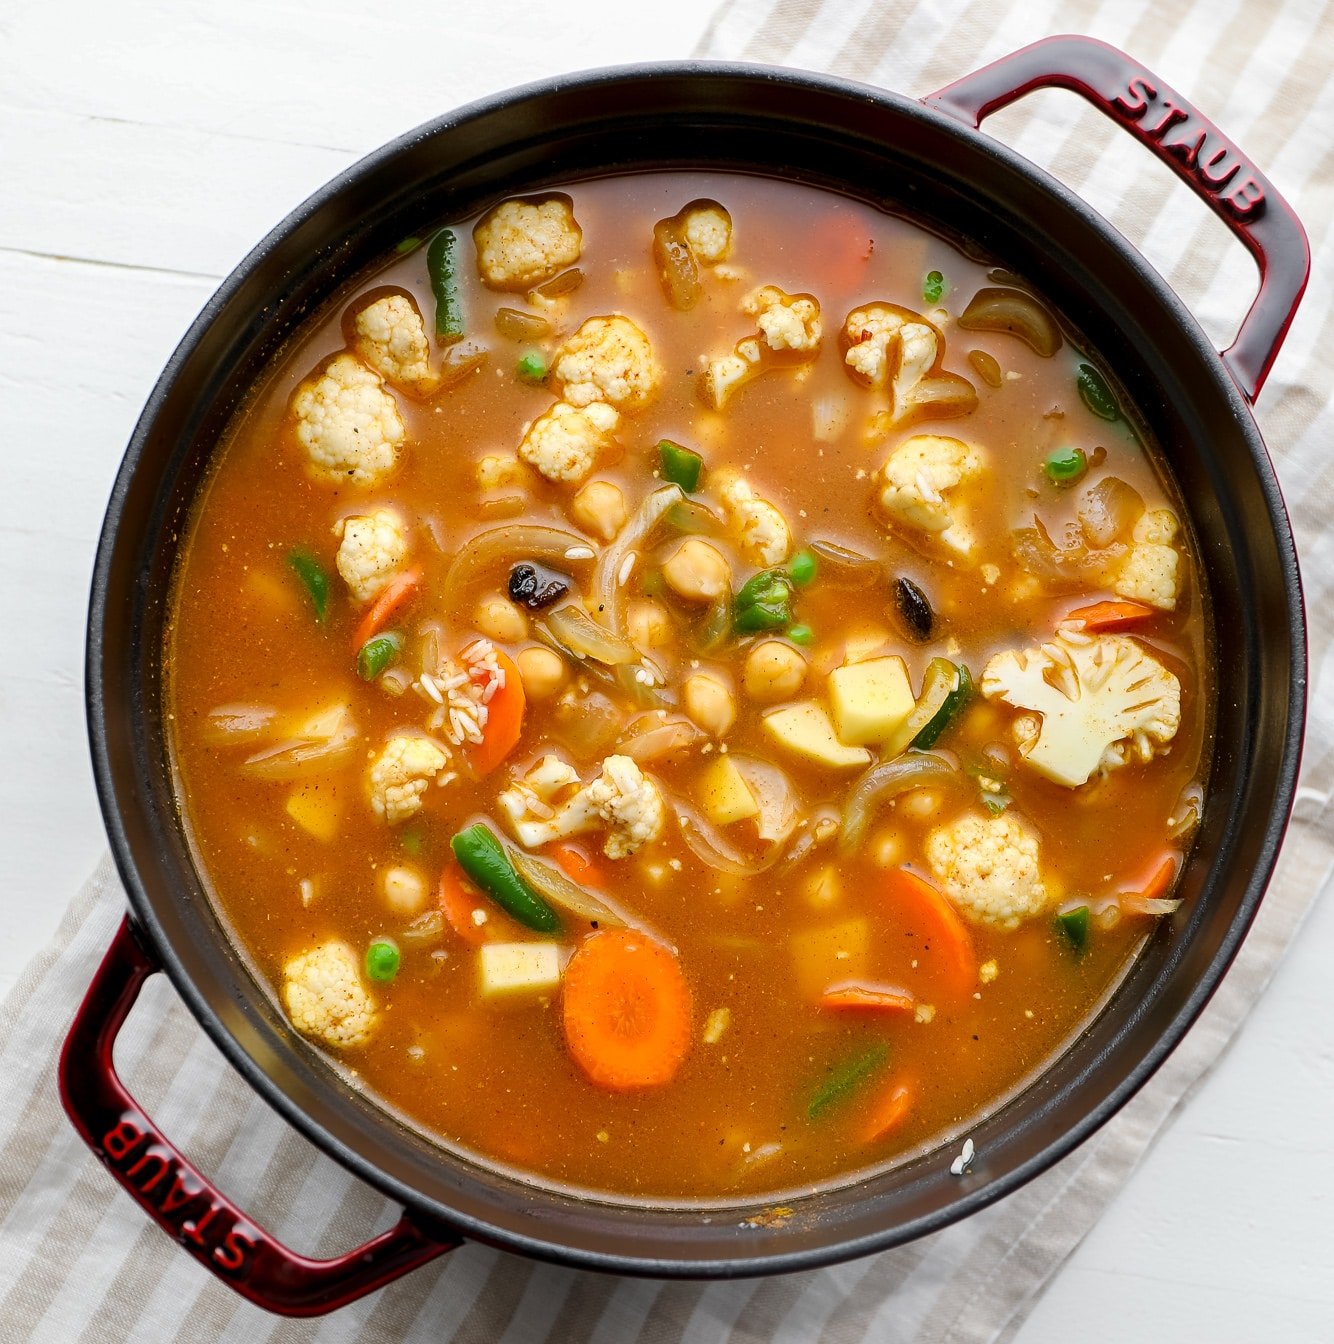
82	1265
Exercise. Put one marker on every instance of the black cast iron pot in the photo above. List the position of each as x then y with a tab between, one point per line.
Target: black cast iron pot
927	158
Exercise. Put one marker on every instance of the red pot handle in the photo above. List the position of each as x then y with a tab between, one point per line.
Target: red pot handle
1191	145
184	1203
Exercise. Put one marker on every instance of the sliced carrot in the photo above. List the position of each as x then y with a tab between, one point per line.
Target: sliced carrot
397	593
458	898
504	719
626	1009
578	867
868	998
1162	877
843	245
890	1109
1111	615
945	945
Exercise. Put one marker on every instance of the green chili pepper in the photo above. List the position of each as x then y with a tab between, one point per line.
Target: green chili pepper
801	634
483	858
313	579
764	602
1097	396
376	654
1064	466
680	465
442	265
382	960
803	568
533	368
845	1078
933	286
1073	926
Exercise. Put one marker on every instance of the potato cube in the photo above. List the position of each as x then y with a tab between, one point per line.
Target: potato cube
508	968
805	730
317	810
829	955
724	793
870	700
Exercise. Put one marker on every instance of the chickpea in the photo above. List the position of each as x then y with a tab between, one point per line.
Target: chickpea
543	672
599	508
498	618
649	624
920	804
773	671
697	571
886	848
709	702
403	889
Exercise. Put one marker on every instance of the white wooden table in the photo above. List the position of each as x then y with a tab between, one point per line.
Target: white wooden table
143	149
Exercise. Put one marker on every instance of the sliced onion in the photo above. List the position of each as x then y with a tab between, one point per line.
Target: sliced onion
823	826
887	780
696	518
707	844
677	268
1016	313
1135	904
830	415
1186	814
589	725
559	285
608	591
1109	510
842	565
582	635
457	361
516	325
503	546
326	740
238	723
778	804
1061	566
658	739
988	369
549	882
426	928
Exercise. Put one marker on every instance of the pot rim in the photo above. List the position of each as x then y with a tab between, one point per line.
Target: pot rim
552	1249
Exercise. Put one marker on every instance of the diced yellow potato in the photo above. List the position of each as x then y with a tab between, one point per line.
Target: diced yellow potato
724	793
863	642
509	968
829	955
317	809
870	700
805	729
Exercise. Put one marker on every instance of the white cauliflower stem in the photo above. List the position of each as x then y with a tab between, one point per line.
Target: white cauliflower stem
391	338
348	424
622	798
401	774
761	530
918	475
1099	701
524	241
988	866
564	442
324	996
608	359
788	331
371	551
1151	572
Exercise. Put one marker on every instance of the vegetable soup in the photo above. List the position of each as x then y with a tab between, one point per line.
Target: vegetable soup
689	686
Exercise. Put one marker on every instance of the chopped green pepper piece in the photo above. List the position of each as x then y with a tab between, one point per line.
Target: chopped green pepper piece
483	858
957	698
313	579
1073	926
1097	396
764	602
442	265
382	960
845	1078
376	654
803	568
801	634
933	287
680	466
533	367
412	840
1064	466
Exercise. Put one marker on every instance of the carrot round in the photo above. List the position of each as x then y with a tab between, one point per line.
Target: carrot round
843	244
868	998
946	945
397	593
1111	615
626	1010
458	898
890	1110
577	866
504	719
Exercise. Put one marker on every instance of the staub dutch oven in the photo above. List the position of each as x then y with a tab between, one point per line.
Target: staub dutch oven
927	158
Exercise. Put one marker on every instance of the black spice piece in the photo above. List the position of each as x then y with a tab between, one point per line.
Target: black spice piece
914	608
536	587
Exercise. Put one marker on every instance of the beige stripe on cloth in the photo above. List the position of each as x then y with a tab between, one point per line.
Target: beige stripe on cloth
80	1261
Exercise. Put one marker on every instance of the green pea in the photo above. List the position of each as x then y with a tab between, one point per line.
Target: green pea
533	367
801	634
1065	465
376	654
382	960
933	287
804	568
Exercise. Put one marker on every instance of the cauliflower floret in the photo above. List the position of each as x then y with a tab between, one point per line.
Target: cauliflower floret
988	867
722	376
372	550
608	359
348	424
1152	571
708	231
621	798
391	338
401	773
325	998
564	442
495	472
893	348
1093	702
524	241
918	474
761	530
786	321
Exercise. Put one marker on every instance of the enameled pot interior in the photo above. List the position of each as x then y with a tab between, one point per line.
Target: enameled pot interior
896	154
